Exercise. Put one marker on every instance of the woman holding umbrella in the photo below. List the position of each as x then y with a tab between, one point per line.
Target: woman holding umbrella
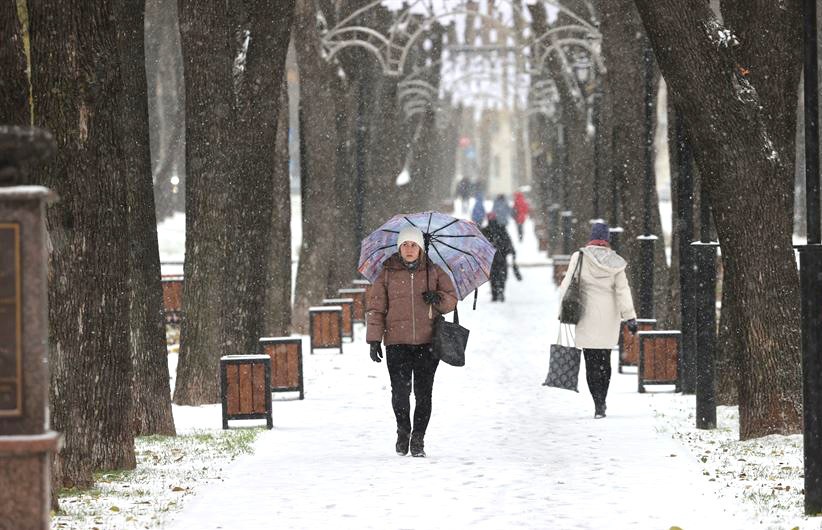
401	305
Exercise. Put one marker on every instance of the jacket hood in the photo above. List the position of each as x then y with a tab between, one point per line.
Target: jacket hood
604	260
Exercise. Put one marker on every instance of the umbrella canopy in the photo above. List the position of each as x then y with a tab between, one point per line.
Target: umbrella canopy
456	245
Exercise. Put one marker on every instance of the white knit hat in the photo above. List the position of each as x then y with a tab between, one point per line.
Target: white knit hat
410	233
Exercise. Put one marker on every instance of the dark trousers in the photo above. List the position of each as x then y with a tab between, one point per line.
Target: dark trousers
598	373
407	363
519	231
499	275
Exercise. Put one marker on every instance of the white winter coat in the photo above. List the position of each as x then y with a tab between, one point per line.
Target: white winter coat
606	297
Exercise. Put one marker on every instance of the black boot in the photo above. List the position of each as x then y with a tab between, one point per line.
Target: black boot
599	410
417	446
402	443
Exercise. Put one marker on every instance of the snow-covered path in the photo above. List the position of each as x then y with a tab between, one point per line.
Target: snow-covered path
503	451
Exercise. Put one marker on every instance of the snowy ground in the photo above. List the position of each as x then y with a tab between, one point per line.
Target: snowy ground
504	451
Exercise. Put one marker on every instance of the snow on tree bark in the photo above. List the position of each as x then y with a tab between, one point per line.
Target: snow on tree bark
740	123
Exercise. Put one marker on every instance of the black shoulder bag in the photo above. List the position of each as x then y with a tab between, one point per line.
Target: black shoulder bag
448	343
571	310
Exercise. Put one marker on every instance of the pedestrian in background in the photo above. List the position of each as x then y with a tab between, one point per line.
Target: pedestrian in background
606	302
498	236
502	210
478	213
464	193
521	209
401	306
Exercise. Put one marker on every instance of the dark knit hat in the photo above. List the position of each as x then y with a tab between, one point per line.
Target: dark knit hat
600	232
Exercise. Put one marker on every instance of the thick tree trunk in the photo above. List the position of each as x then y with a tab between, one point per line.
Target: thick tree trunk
14	83
277	312
267	26
623	44
150	392
739	136
234	57
77	86
207	43
319	97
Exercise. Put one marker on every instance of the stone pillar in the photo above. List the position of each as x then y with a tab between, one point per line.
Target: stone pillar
26	444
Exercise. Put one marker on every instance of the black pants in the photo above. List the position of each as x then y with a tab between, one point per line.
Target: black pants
598	373
499	275
407	362
519	231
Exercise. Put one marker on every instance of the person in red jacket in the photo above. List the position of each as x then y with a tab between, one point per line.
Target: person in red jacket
521	209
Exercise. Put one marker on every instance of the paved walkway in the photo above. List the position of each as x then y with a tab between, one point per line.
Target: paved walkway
504	451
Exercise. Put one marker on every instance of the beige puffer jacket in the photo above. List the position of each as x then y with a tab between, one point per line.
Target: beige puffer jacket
606	297
396	312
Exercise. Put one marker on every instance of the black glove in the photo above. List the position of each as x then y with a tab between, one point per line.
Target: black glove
376	351
432	297
632	326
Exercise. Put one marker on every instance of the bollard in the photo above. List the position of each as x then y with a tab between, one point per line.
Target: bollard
705	262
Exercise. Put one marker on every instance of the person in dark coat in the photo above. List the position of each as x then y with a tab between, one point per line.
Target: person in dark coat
498	236
478	213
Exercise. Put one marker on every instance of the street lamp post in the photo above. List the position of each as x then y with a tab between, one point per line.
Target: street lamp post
647	239
685	217
810	268
705	295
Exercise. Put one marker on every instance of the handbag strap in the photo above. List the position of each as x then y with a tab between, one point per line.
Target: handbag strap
567	336
578	268
456	315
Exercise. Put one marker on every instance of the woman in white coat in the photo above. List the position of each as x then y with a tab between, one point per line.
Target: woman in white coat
606	302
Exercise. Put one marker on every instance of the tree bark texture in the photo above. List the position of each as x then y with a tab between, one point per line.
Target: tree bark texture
320	92
623	41
737	98
277	312
77	87
151	393
234	59
14	83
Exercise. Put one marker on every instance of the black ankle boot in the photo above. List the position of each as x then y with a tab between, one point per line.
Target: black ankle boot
417	446
402	443
599	410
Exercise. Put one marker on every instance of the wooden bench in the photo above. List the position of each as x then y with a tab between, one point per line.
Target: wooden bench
172	298
629	343
347	305
286	354
561	262
360	284
245	386
659	359
358	294
325	327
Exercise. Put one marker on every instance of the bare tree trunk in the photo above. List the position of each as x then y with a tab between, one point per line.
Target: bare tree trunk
76	81
235	57
277	311
151	393
623	45
740	131
207	44
14	83
319	90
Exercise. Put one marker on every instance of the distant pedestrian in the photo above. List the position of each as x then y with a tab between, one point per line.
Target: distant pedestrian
502	209
463	191
521	209
399	313
478	213
498	236
606	302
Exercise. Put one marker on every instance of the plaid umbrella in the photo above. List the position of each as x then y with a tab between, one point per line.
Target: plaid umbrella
456	245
